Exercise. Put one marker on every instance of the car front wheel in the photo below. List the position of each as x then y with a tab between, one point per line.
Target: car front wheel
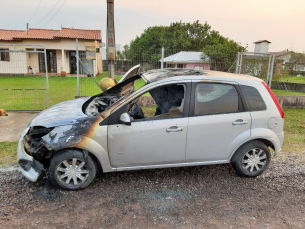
251	159
72	169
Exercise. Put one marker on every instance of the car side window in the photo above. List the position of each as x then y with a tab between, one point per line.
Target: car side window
253	98
158	103
214	98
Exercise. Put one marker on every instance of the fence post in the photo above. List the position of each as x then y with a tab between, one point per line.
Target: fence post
239	62
268	71
271	71
77	67
47	76
162	57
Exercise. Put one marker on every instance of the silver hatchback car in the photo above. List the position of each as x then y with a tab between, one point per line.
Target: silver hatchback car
178	118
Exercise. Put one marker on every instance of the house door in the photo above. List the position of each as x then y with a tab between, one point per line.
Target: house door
72	59
51	61
86	64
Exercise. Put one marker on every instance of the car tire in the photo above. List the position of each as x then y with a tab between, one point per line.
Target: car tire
251	159
72	169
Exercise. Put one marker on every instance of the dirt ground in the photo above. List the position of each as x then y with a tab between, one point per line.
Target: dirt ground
11	126
193	197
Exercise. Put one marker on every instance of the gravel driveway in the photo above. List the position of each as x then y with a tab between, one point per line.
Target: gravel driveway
193	197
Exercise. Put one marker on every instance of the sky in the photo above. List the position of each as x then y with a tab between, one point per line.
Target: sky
245	21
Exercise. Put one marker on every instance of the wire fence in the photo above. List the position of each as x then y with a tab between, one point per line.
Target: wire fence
90	65
173	58
24	84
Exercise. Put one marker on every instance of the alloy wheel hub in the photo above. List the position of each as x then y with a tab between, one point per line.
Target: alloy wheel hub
72	172
254	160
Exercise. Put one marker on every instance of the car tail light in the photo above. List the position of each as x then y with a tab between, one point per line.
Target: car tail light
274	99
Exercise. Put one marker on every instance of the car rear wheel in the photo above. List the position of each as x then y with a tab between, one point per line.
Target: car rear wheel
72	170
251	159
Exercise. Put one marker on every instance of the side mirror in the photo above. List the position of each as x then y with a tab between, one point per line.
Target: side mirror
125	119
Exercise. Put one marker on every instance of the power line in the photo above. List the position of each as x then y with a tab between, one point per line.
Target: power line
35	10
47	13
54	14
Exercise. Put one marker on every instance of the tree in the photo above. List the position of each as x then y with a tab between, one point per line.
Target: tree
222	52
182	37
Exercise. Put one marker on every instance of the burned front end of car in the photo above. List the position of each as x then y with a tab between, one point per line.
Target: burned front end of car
39	144
69	124
28	150
61	126
34	145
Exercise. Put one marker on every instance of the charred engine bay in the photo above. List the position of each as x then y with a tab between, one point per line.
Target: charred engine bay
99	104
33	142
41	143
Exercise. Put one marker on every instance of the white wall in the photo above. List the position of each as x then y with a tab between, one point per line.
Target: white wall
17	64
261	47
65	45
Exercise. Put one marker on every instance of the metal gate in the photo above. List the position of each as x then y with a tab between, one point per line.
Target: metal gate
256	64
23	81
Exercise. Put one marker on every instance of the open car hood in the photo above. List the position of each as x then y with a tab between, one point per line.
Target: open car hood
131	72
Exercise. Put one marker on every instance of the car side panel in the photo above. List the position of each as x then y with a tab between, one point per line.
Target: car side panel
261	133
147	143
269	118
97	150
213	137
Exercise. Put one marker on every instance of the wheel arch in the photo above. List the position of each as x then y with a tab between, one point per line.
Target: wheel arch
263	140
92	155
96	151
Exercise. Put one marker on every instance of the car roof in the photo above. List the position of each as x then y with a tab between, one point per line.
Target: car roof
161	74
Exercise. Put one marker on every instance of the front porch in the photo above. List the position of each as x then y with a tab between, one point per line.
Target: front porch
60	62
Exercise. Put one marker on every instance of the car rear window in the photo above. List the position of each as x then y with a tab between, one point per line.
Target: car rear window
211	98
254	100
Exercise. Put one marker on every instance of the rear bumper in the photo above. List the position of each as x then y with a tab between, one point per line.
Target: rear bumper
29	167
278	141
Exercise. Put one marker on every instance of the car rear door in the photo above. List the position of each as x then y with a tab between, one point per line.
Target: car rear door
218	122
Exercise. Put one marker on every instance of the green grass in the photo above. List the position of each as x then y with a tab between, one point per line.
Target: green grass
149	111
282	92
294	128
61	88
293	79
8	153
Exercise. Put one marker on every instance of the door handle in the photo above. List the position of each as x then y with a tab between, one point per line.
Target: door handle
174	129
239	122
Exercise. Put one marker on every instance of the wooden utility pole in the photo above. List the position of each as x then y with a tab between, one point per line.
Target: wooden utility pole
111	53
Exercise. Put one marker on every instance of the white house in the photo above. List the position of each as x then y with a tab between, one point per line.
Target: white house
60	49
188	60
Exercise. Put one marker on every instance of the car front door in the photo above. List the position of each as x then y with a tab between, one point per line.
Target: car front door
157	134
217	123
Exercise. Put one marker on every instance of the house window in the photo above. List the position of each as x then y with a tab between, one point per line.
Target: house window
171	65
179	65
198	67
4	56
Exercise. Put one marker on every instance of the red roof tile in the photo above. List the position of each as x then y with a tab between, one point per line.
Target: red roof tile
79	33
48	34
7	35
45	34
